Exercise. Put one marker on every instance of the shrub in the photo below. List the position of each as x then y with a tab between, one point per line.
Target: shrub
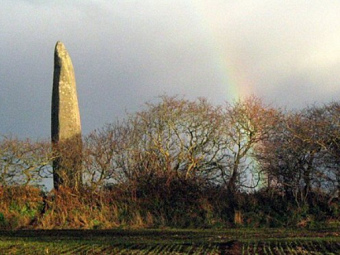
20	206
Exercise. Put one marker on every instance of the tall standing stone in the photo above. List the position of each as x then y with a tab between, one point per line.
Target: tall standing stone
66	127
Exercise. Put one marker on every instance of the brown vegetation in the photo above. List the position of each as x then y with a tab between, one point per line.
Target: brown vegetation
184	163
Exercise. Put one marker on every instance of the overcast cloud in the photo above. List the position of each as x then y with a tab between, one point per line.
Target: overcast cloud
128	52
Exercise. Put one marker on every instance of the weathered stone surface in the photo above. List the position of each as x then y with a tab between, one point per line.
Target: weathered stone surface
66	126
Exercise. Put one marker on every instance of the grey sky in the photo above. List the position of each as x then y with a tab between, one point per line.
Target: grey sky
127	52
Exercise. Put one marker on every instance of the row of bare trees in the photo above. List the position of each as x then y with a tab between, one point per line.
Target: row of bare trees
243	146
181	139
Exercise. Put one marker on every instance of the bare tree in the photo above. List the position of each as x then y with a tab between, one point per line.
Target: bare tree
329	140
247	123
23	162
301	154
107	155
184	135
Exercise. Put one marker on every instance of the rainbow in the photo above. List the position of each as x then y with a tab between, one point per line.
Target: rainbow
228	67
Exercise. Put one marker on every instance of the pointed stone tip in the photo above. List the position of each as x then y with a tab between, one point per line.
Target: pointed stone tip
59	46
60	50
